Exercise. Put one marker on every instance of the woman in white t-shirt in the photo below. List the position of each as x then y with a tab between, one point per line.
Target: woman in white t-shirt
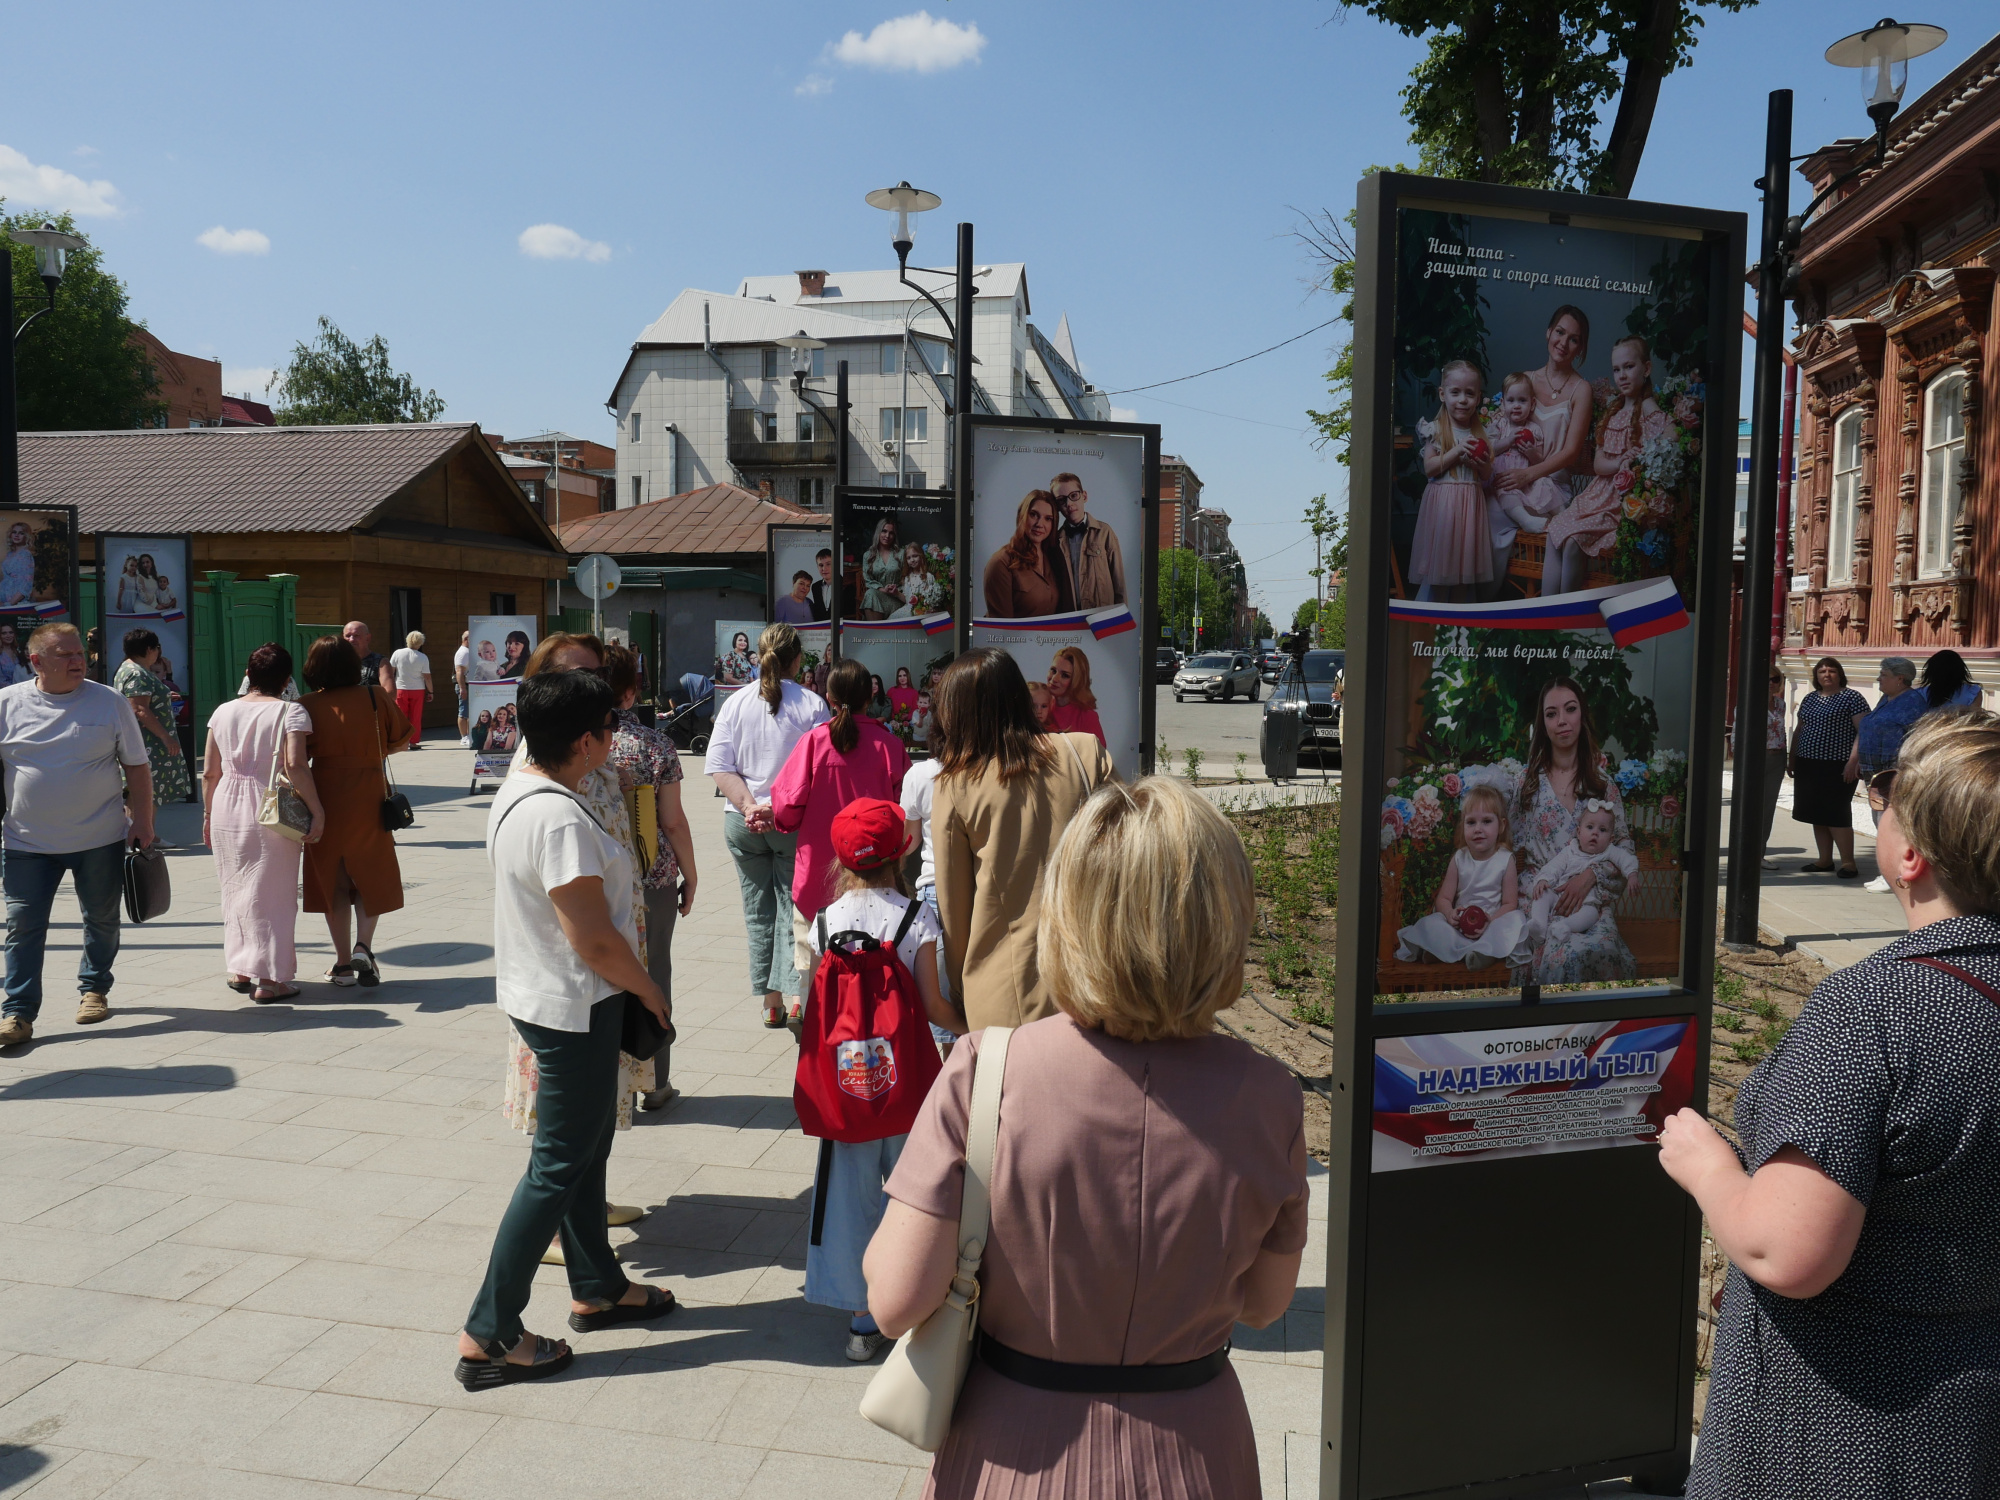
413	682
566	957
870	841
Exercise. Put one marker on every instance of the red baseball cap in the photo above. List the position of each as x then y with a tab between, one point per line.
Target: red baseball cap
869	832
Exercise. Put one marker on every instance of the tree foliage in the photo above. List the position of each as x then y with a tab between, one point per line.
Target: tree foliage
78	367
1261	628
334	381
1515	90
1187	579
1479	700
1330	615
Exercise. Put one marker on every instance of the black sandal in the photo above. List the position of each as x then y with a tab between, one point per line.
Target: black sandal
1848	872
1817	867
552	1357
659	1302
365	967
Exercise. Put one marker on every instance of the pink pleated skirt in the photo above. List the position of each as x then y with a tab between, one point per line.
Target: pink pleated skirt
1591	520
1013	1442
1453	544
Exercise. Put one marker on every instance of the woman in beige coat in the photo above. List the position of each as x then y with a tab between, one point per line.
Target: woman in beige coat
1005	792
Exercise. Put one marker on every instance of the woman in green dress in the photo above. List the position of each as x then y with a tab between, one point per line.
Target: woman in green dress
882	573
138	680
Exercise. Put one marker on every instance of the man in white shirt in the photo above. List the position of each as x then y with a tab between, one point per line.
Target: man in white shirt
64	741
746	750
461	672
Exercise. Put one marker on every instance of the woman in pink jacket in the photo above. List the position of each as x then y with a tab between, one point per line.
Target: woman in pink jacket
851	757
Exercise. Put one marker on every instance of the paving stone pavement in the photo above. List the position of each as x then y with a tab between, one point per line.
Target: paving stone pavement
236	1240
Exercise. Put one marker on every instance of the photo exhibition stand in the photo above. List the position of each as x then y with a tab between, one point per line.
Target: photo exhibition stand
1511	1277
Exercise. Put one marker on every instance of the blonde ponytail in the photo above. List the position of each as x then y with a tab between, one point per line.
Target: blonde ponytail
778	653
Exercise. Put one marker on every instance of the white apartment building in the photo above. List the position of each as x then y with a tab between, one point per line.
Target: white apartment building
708	395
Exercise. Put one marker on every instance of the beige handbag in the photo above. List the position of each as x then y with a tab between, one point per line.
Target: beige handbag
913	1393
281	809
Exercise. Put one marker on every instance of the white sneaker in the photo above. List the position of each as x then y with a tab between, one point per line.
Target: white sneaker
862	1347
1878	885
465	742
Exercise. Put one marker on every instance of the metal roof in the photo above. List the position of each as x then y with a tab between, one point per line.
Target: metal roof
1004	280
241	479
743	320
715	519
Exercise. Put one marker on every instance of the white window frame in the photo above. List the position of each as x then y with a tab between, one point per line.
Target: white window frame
637	497
916	424
767	426
891	355
1939	498
635	424
1841	508
808	426
891	423
769	367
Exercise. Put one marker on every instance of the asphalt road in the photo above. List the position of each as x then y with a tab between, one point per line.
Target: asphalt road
1219	730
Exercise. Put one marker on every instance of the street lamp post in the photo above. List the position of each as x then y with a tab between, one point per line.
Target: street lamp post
903	201
52	246
1882	52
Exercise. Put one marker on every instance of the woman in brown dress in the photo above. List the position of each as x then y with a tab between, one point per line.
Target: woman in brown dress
1149	1187
354	863
1021	578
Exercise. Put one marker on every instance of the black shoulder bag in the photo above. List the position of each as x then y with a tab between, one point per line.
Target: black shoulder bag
640	1033
396	810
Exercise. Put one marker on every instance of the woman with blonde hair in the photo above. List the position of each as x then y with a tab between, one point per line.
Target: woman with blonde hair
1021	579
1862	1311
1099	1357
754	735
1005	792
413	683
1072	705
882	573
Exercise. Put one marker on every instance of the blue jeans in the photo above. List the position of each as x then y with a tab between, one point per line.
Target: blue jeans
764	866
30	882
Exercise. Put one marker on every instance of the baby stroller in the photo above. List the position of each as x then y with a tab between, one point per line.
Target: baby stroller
690	714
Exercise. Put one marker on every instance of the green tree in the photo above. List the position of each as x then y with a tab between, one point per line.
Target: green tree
333	381
1331	617
1261	628
78	367
1185	580
1515	90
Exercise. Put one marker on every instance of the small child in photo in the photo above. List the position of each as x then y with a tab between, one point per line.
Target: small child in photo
1043	700
1596	826
1517	444
1477	917
163	594
1453	550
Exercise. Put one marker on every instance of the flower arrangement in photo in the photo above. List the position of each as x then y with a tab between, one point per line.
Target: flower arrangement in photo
936	588
1655	794
1657	527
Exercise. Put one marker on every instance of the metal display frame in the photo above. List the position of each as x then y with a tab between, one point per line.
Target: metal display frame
1574	1273
1148	613
73	606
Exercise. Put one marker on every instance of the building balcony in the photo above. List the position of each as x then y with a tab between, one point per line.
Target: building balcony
748	447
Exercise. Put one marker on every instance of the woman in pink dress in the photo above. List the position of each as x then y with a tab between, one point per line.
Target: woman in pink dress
1148	1188
1072	705
1589	528
258	867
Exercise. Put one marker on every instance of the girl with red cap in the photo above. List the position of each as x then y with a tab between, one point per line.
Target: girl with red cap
870	839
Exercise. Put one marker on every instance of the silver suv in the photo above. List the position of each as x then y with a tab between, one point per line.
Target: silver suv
1217	675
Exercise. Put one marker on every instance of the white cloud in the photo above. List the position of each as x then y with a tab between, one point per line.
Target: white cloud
911	44
26	186
554	242
1124	414
814	86
235	241
87	151
250	379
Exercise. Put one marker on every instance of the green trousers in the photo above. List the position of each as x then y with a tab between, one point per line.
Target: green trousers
576	1116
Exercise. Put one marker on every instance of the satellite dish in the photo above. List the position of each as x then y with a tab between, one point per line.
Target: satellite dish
599	575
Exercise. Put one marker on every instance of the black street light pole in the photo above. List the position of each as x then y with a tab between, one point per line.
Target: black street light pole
1760	543
961	444
51	245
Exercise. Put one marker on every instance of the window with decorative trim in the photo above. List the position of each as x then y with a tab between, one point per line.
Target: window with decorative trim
1840	510
1944	449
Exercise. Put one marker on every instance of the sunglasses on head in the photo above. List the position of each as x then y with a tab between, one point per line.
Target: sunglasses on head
1879	787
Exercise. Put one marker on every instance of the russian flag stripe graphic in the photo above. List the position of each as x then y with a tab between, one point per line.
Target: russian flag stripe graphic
1632	612
1653	610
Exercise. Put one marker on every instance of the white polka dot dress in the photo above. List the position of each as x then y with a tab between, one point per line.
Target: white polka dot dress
1887	1384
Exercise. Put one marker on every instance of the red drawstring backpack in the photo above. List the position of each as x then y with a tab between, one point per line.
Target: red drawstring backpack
866	1058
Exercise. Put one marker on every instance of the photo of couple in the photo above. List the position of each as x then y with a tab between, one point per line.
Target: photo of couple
1548	426
1059	560
801	579
896	557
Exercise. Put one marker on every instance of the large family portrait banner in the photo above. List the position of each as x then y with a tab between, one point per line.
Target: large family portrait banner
1544	425
500	646
1064	553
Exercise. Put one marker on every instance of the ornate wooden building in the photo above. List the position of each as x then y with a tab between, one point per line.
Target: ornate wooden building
1896	542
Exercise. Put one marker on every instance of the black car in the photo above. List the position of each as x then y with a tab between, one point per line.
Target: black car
1311	688
1166	662
1271	663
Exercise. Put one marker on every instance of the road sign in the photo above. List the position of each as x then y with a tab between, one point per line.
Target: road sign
598	576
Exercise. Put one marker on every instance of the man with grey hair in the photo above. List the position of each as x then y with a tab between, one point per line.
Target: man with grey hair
1879	739
375	669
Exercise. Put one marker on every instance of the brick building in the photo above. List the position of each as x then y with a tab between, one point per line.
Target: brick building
1897	503
1180	498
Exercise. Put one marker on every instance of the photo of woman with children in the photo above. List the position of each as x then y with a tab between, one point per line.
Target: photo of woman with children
1548	433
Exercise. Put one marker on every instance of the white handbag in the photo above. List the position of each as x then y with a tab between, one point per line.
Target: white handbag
913	1393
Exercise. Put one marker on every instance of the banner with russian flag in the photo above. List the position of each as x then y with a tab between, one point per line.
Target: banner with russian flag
49	608
1632	612
1529	1090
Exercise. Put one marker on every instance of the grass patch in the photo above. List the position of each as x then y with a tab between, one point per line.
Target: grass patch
1295	855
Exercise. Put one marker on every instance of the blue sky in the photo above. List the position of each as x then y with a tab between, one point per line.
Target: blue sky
379	164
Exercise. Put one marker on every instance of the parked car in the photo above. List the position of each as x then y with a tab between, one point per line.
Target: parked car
1313	688
1217	675
1166	662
